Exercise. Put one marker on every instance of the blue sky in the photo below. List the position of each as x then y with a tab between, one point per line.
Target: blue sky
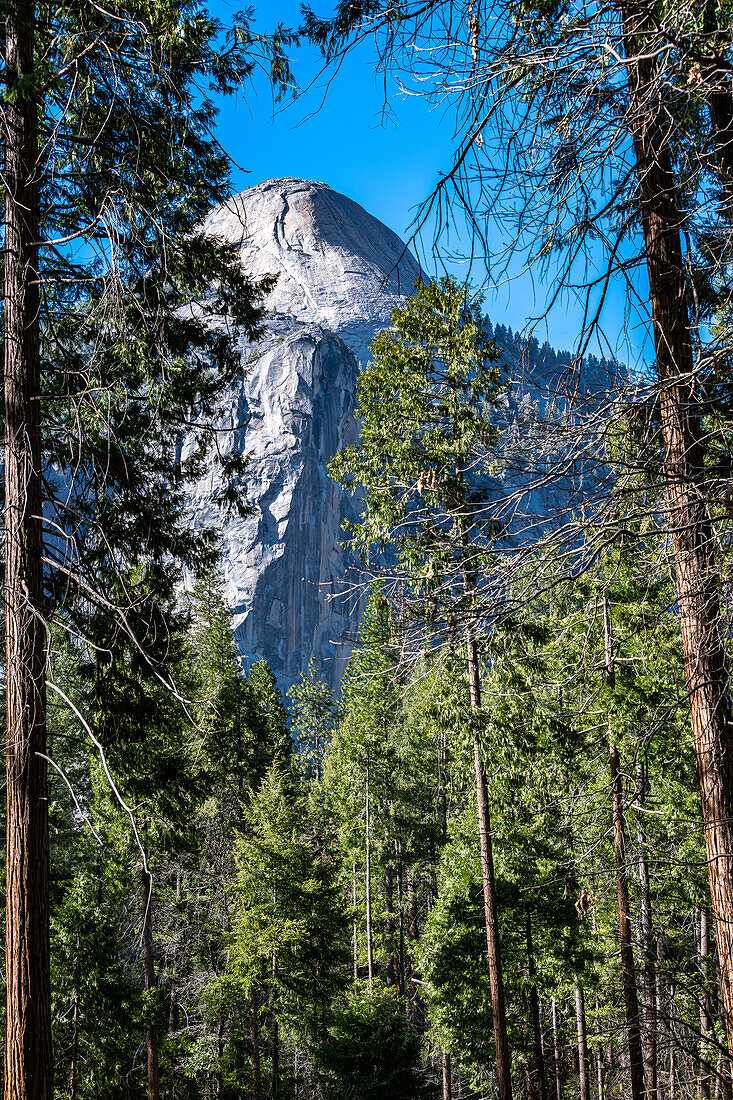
339	135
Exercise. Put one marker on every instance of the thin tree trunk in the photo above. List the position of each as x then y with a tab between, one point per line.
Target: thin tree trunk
696	576
556	1051
628	974
649	985
704	1069
447	1094
540	1079
501	1041
173	1012
582	1043
370	958
150	983
663	1039
28	1051
598	1056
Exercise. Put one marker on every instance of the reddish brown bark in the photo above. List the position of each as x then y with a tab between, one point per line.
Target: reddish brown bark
695	573
28	1055
447	1090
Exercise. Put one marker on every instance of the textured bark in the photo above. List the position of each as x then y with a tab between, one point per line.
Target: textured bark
447	1092
501	1041
582	1043
150	983
538	1075
696	578
628	973
28	1052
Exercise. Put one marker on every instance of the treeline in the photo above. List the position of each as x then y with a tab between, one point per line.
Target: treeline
301	913
482	872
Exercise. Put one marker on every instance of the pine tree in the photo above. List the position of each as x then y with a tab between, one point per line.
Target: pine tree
108	362
425	460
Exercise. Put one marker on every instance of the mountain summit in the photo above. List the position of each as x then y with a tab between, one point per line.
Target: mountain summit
340	272
338	267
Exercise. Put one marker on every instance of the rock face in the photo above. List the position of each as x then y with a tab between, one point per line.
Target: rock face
340	274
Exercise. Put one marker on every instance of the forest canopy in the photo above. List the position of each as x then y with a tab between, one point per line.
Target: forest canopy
497	860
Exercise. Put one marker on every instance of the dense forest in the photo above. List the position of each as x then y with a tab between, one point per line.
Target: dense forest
500	862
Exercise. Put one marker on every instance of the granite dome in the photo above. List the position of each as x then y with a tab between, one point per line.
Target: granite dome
340	272
338	267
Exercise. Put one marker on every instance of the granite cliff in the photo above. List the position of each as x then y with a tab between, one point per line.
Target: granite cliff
340	274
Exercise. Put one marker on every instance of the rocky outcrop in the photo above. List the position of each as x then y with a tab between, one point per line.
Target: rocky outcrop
292	589
340	275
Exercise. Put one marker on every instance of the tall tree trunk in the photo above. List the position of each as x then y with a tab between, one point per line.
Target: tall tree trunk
556	1051
649	985
696	578
28	1051
150	983
704	1068
370	957
598	1056
663	1034
501	1041
447	1093
174	1015
540	1079
628	973
582	1043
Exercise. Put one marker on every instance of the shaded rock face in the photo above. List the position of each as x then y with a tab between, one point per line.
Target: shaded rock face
340	275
